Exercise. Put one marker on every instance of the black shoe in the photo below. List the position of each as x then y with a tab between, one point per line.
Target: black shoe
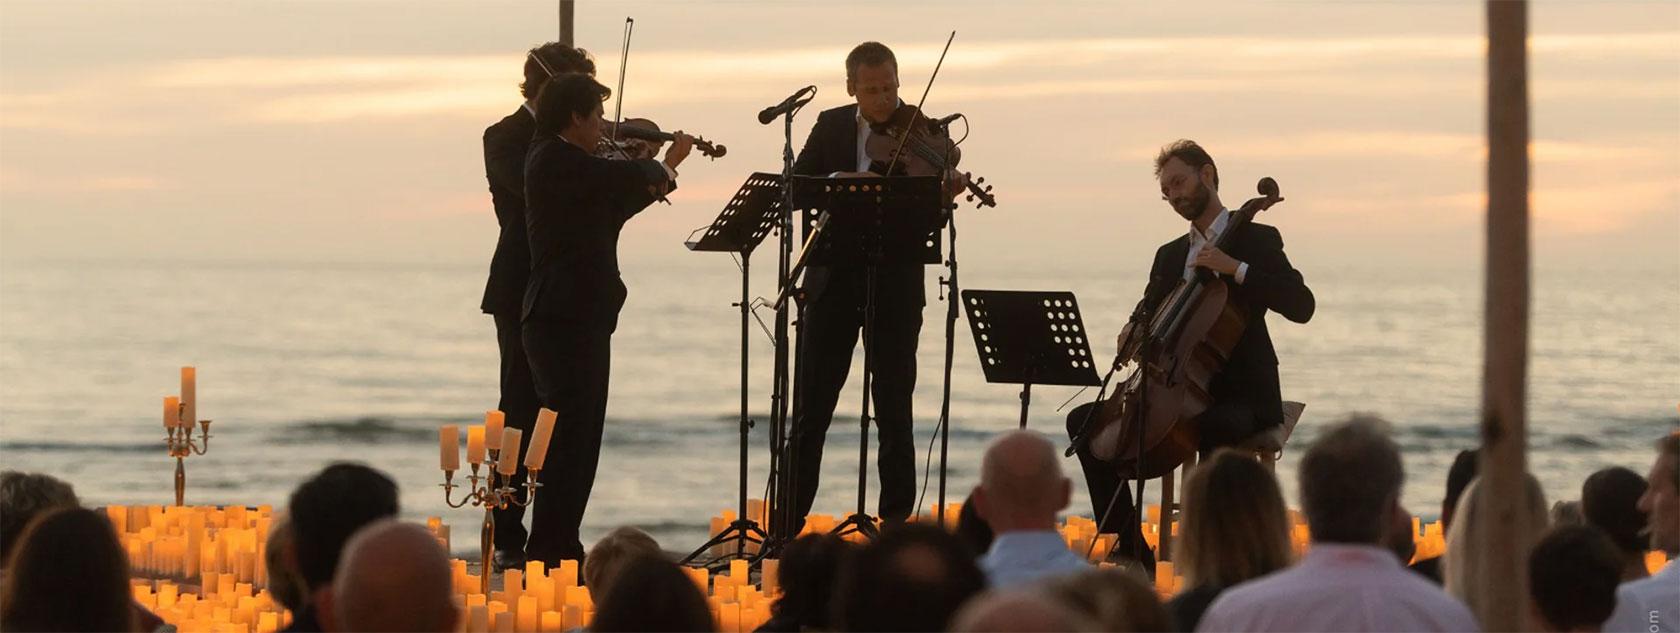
505	560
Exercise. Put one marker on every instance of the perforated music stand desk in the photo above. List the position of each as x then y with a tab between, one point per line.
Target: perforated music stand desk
749	216
1028	338
901	215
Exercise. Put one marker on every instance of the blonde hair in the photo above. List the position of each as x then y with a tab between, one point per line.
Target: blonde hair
1461	572
611	554
1116	600
1235	525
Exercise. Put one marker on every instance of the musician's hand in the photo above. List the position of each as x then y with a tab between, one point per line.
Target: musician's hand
955	182
1125	335
680	146
659	190
1216	260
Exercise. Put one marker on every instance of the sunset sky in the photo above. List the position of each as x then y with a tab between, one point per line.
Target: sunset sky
350	131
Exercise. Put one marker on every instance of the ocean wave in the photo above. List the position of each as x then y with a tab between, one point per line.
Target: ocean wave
83	447
360	428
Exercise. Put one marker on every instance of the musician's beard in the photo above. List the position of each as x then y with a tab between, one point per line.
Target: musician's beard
1191	208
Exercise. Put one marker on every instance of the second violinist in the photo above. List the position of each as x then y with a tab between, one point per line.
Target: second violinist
576	203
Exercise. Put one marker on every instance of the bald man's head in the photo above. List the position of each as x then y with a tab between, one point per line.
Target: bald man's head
1021	483
1019	611
393	576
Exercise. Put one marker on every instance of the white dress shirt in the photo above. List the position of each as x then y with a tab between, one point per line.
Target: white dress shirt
1648	604
1198	240
1339	587
1018	558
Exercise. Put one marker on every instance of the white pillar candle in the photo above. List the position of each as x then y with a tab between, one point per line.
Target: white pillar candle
537	451
189	396
449	447
510	453
171	412
475	445
493	425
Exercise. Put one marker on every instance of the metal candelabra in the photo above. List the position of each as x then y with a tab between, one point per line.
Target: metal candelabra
491	497
181	446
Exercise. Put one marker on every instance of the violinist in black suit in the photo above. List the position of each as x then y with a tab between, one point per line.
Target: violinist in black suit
576	203
1246	395
505	144
835	302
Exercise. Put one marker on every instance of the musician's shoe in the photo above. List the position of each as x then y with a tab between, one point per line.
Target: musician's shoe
505	560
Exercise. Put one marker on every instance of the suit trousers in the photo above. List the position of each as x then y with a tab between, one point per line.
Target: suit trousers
1223	424
519	405
832	323
571	361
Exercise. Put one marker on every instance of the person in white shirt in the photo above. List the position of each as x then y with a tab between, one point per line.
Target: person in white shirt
1653	604
1021	490
1349	483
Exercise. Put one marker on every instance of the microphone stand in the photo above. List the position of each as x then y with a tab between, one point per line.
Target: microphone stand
950	348
781	449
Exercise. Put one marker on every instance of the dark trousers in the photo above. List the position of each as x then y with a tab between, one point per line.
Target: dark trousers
570	364
1221	425
519	405
829	335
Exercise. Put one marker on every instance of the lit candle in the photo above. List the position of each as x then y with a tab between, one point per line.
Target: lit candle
510	453
475	445
537	452
171	412
449	445
493	425
189	396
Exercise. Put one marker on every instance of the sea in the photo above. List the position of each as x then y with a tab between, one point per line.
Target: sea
301	364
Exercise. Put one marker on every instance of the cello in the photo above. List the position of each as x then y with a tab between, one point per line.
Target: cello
1188	338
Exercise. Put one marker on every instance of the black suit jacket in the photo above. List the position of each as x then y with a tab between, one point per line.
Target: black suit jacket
575	205
1271	285
505	144
832	147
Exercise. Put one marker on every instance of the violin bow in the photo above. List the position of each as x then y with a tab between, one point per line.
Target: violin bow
623	63
929	88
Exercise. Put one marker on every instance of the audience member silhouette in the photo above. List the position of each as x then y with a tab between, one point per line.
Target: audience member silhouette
69	573
912	578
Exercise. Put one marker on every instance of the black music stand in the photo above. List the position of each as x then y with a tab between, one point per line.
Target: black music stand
870	221
744	222
1028	338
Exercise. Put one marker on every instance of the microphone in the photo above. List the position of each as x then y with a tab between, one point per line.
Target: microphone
945	121
769	114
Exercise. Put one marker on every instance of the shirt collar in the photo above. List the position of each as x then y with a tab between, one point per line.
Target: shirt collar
1218	227
858	114
1029	539
1350	554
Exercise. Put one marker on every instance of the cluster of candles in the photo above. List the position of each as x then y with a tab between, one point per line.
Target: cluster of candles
181	412
204	568
201	568
535	599
494	435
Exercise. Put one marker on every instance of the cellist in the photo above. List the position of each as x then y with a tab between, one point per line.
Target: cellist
1246	396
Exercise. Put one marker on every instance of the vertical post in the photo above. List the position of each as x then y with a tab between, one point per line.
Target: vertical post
1504	537
566	7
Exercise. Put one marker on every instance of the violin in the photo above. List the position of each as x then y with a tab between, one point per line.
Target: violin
910	144
641	138
1188	339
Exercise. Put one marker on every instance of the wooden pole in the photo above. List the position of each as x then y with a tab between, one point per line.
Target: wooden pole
1503	539
566	7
